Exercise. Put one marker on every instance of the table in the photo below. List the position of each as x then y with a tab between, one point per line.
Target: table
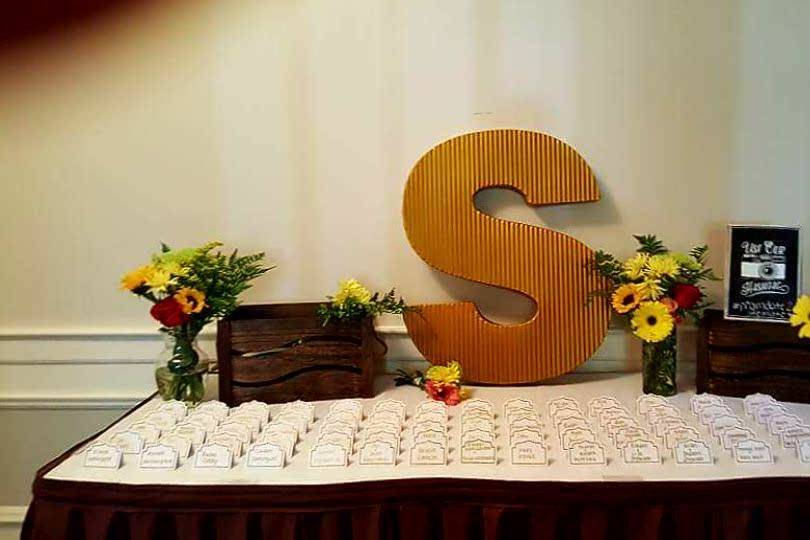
724	500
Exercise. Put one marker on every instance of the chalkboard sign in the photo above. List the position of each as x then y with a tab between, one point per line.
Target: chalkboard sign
762	276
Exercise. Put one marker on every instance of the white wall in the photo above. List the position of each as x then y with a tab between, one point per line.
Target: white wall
290	127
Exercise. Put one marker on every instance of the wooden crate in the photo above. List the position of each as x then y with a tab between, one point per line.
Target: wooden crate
282	352
737	358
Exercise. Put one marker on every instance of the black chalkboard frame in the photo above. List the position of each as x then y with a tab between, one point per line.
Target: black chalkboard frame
793	270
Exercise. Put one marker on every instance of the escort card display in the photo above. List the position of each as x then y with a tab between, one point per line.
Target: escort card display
450	234
602	432
762	274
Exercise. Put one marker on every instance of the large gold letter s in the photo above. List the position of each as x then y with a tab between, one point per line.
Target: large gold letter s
450	234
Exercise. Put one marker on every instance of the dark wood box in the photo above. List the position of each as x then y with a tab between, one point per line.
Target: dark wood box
298	357
737	358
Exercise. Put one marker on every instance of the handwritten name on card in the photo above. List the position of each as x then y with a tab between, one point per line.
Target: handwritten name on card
529	453
102	456
803	451
158	456
478	451
328	455
129	442
265	455
641	451
693	452
752	451
213	456
733	435
586	453
179	443
428	453
378	453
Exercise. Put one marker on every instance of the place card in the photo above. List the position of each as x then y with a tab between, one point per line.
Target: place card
158	456
780	422
668	423
732	436
282	427
432	406
149	431
723	422
680	434
237	429
193	432
707	414
609	414
298	419
178	442
693	452
528	453
562	403
328	455
641	451
526	422
586	453
657	413
752	451
334	438
298	406
338	427
478	423
575	436
252	422
213	456
478	403
699	401
129	442
229	440
214	408
206	421
283	440
387	438
571	423
432	435
803	450
164	420
386	417
602	402
265	455
177	408
788	436
525	434
645	401
624	436
475	434
428	453
102	456
342	417
517	414
518	404
753	401
378	453
478	451
763	413
431	416
564	413
434	426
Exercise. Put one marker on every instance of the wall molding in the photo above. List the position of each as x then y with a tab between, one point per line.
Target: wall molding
12	515
69	403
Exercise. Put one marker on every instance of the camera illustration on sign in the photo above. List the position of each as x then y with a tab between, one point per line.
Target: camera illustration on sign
450	234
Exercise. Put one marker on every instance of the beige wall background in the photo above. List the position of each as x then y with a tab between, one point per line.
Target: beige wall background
290	127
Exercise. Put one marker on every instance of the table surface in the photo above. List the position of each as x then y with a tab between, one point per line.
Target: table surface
624	387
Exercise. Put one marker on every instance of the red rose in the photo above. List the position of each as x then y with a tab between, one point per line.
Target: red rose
686	295
448	393
169	313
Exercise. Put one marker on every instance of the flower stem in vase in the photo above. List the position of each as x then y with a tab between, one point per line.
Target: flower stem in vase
659	365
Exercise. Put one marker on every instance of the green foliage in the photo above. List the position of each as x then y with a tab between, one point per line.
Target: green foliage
650	244
607	265
352	310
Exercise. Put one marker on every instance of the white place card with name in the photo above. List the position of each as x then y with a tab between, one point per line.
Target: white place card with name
641	451
645	401
478	451
721	423
789	436
518	403
428	453
378	453
265	455
576	436
803	451
102	456
213	456
177	408
680	433
528	453
282	427
525	422
252	422
433	435
229	440
237	429
284	440
763	414
194	433
780	422
206	421
478	403
340	439
178	442
477	434
164	420
587	453
328	455
753	401
129	442
525	434
158	456
693	452
732	436
752	451
217	409
147	430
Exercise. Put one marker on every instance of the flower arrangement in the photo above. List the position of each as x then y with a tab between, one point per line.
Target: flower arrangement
442	383
801	316
655	290
188	289
354	302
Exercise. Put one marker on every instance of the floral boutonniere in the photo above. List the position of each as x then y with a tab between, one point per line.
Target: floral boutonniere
442	383
801	316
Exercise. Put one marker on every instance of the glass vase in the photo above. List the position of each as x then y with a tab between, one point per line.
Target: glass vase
658	365
181	368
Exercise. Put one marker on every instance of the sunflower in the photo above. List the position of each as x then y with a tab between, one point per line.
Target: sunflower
449	374
634	266
626	298
191	300
663	265
137	278
352	289
652	322
651	289
801	316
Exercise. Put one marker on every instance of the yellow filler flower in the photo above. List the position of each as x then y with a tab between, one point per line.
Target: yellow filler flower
626	298
352	289
801	316
190	300
137	278
663	265
634	267
449	374
652	322
159	279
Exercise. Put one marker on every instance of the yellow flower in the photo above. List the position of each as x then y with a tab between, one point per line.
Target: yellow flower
626	298
191	300
449	374
634	266
352	289
663	265
651	289
137	278
801	316
159	279
652	322
172	267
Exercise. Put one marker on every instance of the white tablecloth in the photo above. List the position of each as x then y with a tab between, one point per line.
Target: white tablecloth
624	387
